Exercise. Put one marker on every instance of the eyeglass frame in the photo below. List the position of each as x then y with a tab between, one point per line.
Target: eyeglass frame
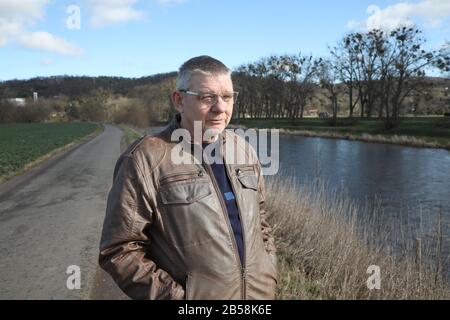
216	99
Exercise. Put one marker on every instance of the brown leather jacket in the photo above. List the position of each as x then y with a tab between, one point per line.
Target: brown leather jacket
167	234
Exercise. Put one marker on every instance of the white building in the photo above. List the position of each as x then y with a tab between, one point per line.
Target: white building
20	102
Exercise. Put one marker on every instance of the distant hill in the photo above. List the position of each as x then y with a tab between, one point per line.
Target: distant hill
75	86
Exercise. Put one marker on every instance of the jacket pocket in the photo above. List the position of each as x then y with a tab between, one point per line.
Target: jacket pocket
190	214
249	181
247	177
184	193
273	265
247	195
191	175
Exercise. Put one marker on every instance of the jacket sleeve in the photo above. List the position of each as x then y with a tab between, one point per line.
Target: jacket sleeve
124	239
266	230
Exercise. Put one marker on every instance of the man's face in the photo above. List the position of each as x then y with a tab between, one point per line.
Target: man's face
215	116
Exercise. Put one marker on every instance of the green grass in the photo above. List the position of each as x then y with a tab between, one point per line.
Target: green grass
129	133
433	130
23	143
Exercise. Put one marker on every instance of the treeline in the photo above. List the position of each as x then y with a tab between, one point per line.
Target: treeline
376	71
107	101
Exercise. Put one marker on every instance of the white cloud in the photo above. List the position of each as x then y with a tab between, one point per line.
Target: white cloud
46	62
113	11
403	14
21	10
41	40
16	17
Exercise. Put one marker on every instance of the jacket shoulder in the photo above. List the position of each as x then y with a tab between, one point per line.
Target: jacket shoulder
147	152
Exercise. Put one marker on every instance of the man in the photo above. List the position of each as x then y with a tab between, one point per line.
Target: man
191	230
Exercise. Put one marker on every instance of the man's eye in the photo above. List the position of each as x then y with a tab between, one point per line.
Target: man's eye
207	98
227	97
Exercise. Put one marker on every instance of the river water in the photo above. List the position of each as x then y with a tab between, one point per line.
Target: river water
412	185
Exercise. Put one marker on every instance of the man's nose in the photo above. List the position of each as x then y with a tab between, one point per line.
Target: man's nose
220	106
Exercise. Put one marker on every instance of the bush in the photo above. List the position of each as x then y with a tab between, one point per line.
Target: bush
133	112
7	112
31	112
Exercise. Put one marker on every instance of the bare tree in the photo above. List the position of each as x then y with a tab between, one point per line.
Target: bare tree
276	86
408	63
345	63
329	75
386	67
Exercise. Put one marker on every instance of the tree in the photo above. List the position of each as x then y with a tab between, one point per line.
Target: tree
94	106
408	62
276	86
329	75
442	59
386	67
344	60
364	49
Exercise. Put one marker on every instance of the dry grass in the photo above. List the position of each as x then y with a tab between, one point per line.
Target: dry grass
324	250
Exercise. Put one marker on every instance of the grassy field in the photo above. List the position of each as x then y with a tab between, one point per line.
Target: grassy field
25	143
415	131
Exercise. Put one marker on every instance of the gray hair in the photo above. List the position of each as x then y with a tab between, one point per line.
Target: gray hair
205	65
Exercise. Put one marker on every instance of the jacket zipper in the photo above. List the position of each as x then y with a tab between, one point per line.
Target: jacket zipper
242	170
244	274
181	176
230	229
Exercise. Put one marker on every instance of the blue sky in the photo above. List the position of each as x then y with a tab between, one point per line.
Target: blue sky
134	38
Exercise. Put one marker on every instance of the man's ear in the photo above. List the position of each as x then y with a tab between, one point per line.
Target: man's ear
177	100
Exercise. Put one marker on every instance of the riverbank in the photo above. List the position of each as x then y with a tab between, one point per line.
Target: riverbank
24	145
325	252
430	132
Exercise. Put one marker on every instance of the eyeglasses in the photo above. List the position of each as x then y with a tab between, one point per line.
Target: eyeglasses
210	99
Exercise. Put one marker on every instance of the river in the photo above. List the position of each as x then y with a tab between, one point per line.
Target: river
411	185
